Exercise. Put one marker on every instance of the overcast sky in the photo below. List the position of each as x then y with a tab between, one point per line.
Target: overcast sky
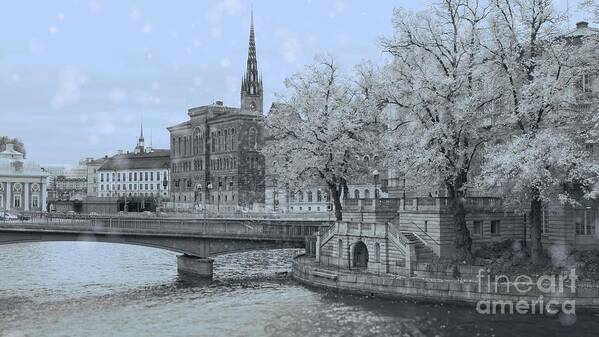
77	77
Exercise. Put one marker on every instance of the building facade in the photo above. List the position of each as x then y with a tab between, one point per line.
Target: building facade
216	164
23	184
137	180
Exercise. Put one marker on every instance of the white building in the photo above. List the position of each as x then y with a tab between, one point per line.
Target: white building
23	184
141	174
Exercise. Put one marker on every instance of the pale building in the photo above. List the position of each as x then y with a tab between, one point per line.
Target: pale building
139	179
23	184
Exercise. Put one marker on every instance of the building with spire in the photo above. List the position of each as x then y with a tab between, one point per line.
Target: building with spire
216	164
140	148
135	181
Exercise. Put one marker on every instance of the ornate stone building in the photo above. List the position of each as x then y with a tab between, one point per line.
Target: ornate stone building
22	183
216	162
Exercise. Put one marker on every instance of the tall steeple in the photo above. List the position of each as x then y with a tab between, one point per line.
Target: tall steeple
251	85
140	148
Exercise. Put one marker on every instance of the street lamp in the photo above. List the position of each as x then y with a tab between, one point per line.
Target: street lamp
220	186
375	173
196	191
209	191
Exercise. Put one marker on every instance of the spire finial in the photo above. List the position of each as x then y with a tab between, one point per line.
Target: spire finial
141	133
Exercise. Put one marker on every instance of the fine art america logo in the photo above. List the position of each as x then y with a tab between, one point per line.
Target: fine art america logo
524	295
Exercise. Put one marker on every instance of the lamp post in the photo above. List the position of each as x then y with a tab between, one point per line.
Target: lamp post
220	186
165	183
209	193
375	174
195	195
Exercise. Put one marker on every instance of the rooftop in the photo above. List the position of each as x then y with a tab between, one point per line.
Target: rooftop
157	159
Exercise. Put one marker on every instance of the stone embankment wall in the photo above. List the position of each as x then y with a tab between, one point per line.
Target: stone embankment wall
463	291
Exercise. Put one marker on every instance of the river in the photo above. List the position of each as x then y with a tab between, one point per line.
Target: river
97	289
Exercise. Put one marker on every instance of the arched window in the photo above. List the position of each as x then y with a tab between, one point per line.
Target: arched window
366	159
218	141
356	194
309	196
233	142
226	140
318	196
253	139
301	196
196	141
366	194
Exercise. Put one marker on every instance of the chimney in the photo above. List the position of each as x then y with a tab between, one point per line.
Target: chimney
582	25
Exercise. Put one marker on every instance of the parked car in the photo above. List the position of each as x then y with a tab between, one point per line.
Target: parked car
6	216
23	217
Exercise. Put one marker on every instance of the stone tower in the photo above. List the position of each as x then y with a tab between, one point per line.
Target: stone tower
251	85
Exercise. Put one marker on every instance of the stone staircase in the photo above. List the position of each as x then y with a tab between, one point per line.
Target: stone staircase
424	253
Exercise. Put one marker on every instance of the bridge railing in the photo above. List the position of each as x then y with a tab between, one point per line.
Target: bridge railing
230	227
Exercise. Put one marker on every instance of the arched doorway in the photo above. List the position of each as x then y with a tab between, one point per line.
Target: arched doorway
360	255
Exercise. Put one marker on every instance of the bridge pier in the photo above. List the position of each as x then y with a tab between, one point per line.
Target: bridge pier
198	266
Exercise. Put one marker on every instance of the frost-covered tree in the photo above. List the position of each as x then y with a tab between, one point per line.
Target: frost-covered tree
544	123
322	127
441	80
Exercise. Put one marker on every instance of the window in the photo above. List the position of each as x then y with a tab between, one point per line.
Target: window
377	252
35	201
586	83
590	147
356	194
309	196
477	227
495	227
585	221
340	248
253	139
318	197
426	225
17	201
1	200
366	194
545	221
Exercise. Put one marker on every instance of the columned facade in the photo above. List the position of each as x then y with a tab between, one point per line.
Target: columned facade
22	183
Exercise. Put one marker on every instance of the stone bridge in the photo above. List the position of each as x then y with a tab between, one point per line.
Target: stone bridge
196	239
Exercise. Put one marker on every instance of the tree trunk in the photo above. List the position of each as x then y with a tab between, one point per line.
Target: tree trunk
537	253
336	195
462	240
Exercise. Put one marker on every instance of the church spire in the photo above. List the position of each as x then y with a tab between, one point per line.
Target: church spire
251	85
140	148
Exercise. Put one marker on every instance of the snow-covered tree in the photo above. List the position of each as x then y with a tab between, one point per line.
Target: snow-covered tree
543	116
442	82
323	127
